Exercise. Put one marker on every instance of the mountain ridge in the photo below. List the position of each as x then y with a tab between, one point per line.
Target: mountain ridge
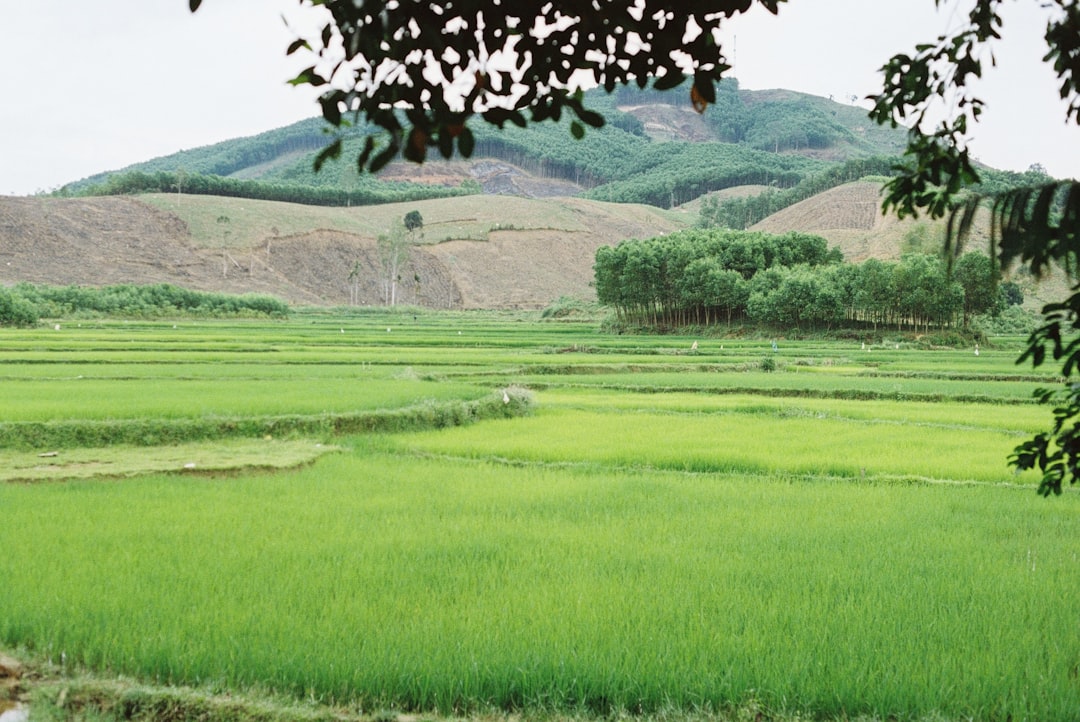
783	133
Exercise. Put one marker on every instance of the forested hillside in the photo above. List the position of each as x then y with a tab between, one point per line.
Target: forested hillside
652	150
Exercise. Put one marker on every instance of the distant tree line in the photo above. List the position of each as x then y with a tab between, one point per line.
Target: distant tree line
369	192
792	281
25	303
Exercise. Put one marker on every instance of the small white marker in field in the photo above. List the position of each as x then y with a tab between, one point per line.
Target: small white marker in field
18	713
388	329
506	398
189	465
57	327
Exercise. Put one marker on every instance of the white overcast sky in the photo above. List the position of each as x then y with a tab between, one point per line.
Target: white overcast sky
90	86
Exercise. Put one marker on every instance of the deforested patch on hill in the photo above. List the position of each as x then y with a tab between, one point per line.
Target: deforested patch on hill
476	252
853	206
495	177
118	239
93	240
850	217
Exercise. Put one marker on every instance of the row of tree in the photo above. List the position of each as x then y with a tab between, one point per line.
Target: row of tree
368	191
789	281
656	280
24	304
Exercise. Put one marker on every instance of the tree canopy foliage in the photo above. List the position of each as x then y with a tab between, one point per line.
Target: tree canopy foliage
25	303
367	191
422	70
793	281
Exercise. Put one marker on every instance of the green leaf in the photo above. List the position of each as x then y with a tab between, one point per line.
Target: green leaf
194	4
331	109
591	117
308	76
466	142
669	81
331	151
577	130
293	46
705	88
446	142
379	162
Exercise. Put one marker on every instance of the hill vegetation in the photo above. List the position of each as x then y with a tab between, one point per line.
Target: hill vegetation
792	281
240	216
773	139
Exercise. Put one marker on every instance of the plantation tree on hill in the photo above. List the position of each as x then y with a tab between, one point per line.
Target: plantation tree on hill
393	247
423	71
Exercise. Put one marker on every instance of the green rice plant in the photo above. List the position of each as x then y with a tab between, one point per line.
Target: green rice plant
164	398
151	431
667	531
803	444
942	416
794	383
384	581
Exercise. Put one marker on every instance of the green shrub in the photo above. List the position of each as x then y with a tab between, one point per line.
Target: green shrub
150	301
16	310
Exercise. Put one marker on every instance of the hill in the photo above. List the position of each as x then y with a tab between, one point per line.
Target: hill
848	216
654	149
477	252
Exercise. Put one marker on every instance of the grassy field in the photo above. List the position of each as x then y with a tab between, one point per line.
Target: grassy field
639	529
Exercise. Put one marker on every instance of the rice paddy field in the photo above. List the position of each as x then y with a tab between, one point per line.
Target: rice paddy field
461	514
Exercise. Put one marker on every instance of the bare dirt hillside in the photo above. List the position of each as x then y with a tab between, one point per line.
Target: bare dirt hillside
495	177
849	216
670	122
477	252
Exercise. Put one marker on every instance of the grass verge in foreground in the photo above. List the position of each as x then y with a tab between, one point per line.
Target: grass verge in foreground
51	693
